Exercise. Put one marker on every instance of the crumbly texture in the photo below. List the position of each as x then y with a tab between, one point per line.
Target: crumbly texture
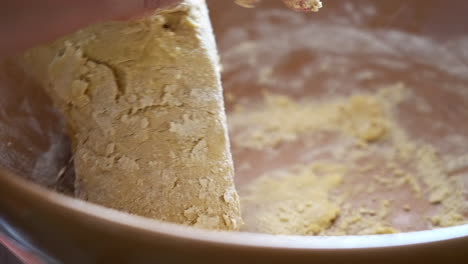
297	5
351	190
361	116
296	201
304	5
145	112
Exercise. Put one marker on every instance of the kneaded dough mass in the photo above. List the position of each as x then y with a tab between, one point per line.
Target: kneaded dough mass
145	112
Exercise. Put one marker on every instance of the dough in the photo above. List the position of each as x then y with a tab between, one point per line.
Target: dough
343	165
297	5
304	5
295	201
145	113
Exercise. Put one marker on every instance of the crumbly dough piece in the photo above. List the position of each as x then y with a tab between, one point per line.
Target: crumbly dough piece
304	5
145	113
296	201
297	5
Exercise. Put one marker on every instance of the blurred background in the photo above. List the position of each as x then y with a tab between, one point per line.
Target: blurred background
6	257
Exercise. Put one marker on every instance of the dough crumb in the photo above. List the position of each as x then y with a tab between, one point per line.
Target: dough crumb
346	185
296	5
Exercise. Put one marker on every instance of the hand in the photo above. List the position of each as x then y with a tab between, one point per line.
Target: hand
25	23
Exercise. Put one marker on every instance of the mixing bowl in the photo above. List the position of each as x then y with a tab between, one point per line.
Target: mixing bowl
349	47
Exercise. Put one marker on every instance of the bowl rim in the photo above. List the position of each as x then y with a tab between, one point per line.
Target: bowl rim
155	228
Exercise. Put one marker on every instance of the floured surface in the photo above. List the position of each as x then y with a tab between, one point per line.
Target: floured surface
386	108
364	140
297	201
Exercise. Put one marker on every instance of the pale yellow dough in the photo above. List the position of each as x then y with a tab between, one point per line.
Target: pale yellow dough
368	175
298	5
145	112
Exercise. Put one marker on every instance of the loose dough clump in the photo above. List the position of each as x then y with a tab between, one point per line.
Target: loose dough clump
297	5
283	119
297	201
145	113
304	5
